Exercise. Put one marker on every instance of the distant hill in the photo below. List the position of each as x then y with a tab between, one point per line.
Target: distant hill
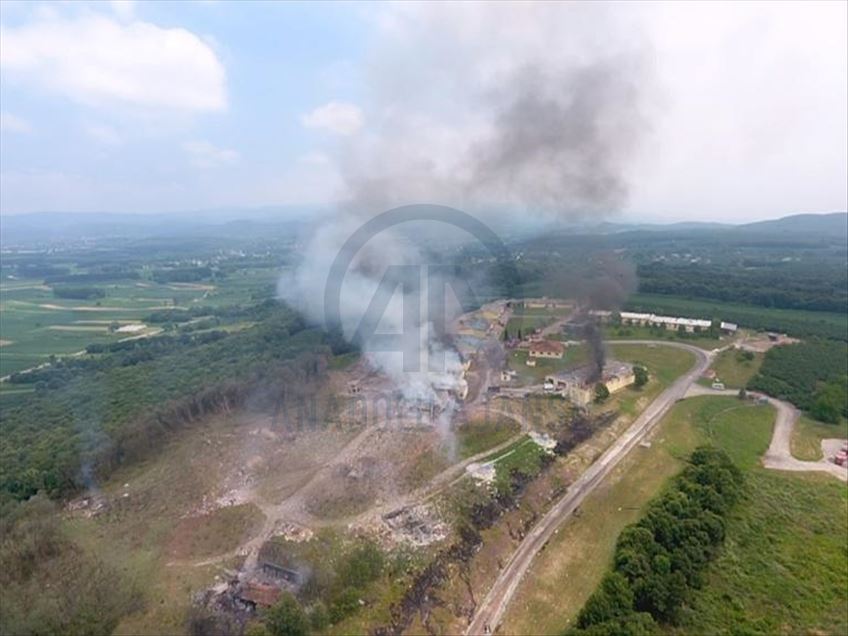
833	225
231	222
58	226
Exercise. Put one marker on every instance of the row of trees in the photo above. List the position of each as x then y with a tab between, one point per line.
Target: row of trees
78	293
659	559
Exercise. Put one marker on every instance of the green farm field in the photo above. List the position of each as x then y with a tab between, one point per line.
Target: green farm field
34	324
734	369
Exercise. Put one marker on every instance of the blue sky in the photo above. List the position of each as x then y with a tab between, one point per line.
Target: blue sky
279	62
149	107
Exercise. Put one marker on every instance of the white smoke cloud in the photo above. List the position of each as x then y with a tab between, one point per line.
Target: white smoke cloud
545	122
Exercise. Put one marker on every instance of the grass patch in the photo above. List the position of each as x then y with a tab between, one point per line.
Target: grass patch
421	468
656	333
809	433
783	568
523	459
664	364
219	531
574	356
524	439
343	361
527	324
734	368
478	436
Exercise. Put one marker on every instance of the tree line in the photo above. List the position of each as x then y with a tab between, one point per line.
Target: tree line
662	557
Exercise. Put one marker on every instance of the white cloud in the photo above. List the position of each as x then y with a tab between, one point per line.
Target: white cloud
99	61
204	154
13	123
341	118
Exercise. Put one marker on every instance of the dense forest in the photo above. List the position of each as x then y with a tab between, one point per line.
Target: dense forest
659	559
812	375
90	415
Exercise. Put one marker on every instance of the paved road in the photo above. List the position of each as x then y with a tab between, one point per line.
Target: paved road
779	453
491	610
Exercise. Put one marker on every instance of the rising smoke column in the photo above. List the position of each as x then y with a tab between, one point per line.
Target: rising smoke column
491	108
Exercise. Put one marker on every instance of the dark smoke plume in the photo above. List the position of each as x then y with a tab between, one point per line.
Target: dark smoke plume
600	280
512	110
560	138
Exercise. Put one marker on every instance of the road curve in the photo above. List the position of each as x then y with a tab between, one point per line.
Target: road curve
491	610
779	454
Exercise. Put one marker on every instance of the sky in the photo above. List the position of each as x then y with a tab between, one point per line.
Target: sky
721	111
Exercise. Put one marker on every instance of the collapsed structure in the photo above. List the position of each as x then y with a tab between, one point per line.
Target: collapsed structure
578	385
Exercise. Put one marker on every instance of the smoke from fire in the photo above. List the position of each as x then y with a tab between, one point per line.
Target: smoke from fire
499	109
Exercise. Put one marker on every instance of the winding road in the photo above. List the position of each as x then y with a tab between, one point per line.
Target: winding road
492	608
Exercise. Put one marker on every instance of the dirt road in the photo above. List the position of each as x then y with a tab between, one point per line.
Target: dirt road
491	610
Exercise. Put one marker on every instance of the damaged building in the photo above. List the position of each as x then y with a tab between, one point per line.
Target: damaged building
578	385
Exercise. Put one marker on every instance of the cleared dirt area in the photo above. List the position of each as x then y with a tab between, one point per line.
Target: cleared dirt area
760	342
